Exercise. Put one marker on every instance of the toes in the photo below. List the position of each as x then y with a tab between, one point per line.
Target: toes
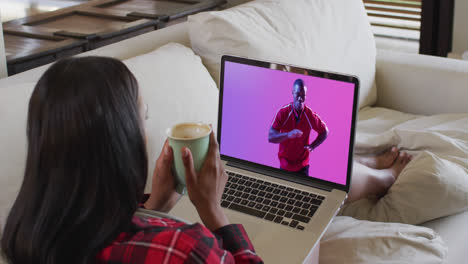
408	158
391	156
405	158
401	157
394	151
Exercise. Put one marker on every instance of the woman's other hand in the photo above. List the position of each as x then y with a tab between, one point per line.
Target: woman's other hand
163	195
206	187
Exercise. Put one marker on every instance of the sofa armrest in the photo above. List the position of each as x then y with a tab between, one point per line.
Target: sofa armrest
420	84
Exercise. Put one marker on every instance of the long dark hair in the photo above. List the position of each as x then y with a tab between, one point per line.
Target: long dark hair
86	166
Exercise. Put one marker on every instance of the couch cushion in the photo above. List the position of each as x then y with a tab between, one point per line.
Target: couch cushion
14	101
453	232
331	35
177	88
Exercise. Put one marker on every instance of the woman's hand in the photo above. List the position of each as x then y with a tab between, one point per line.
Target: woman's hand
163	195
206	187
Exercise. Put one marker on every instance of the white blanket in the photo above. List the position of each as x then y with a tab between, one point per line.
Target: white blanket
434	183
355	241
379	128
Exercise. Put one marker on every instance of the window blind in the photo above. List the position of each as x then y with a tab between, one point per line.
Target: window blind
395	18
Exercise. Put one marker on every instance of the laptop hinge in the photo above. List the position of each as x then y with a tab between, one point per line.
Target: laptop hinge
279	175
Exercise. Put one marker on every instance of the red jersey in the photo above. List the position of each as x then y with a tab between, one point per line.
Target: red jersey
292	154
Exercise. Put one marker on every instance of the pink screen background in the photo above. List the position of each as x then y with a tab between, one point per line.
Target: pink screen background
253	95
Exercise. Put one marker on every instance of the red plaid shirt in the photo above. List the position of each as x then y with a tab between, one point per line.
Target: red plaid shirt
162	240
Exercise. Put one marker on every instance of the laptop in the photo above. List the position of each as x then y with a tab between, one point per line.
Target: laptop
285	187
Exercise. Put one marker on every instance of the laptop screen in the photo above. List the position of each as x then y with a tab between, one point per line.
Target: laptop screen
287	118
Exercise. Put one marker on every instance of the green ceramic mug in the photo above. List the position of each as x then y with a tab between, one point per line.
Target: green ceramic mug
196	137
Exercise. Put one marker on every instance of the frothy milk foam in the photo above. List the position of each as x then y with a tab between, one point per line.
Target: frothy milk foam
189	130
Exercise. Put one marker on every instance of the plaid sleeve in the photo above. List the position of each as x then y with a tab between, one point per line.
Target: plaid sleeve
234	239
160	240
228	244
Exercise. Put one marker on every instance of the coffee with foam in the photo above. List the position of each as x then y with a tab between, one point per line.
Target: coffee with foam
189	130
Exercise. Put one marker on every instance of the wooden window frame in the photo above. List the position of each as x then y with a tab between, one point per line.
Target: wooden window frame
436	27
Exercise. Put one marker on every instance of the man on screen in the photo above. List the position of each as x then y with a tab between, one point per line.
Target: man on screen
291	129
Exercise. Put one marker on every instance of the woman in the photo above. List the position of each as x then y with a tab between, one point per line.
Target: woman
85	175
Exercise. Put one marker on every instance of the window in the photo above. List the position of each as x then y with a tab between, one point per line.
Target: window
429	22
395	18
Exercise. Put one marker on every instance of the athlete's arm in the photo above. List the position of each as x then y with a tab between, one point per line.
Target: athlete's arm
274	136
318	140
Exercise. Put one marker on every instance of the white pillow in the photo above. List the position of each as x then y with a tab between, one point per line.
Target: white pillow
352	241
331	35
434	184
14	101
177	88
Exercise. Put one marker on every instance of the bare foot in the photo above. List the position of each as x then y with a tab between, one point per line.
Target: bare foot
373	182
388	176
399	164
381	161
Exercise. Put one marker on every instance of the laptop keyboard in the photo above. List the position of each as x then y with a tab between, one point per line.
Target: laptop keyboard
273	202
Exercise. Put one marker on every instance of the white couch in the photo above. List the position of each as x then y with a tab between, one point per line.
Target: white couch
409	83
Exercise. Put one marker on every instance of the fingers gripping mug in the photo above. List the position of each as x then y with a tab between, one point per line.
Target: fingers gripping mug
194	136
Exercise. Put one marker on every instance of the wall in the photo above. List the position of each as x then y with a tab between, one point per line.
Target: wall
460	27
3	69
